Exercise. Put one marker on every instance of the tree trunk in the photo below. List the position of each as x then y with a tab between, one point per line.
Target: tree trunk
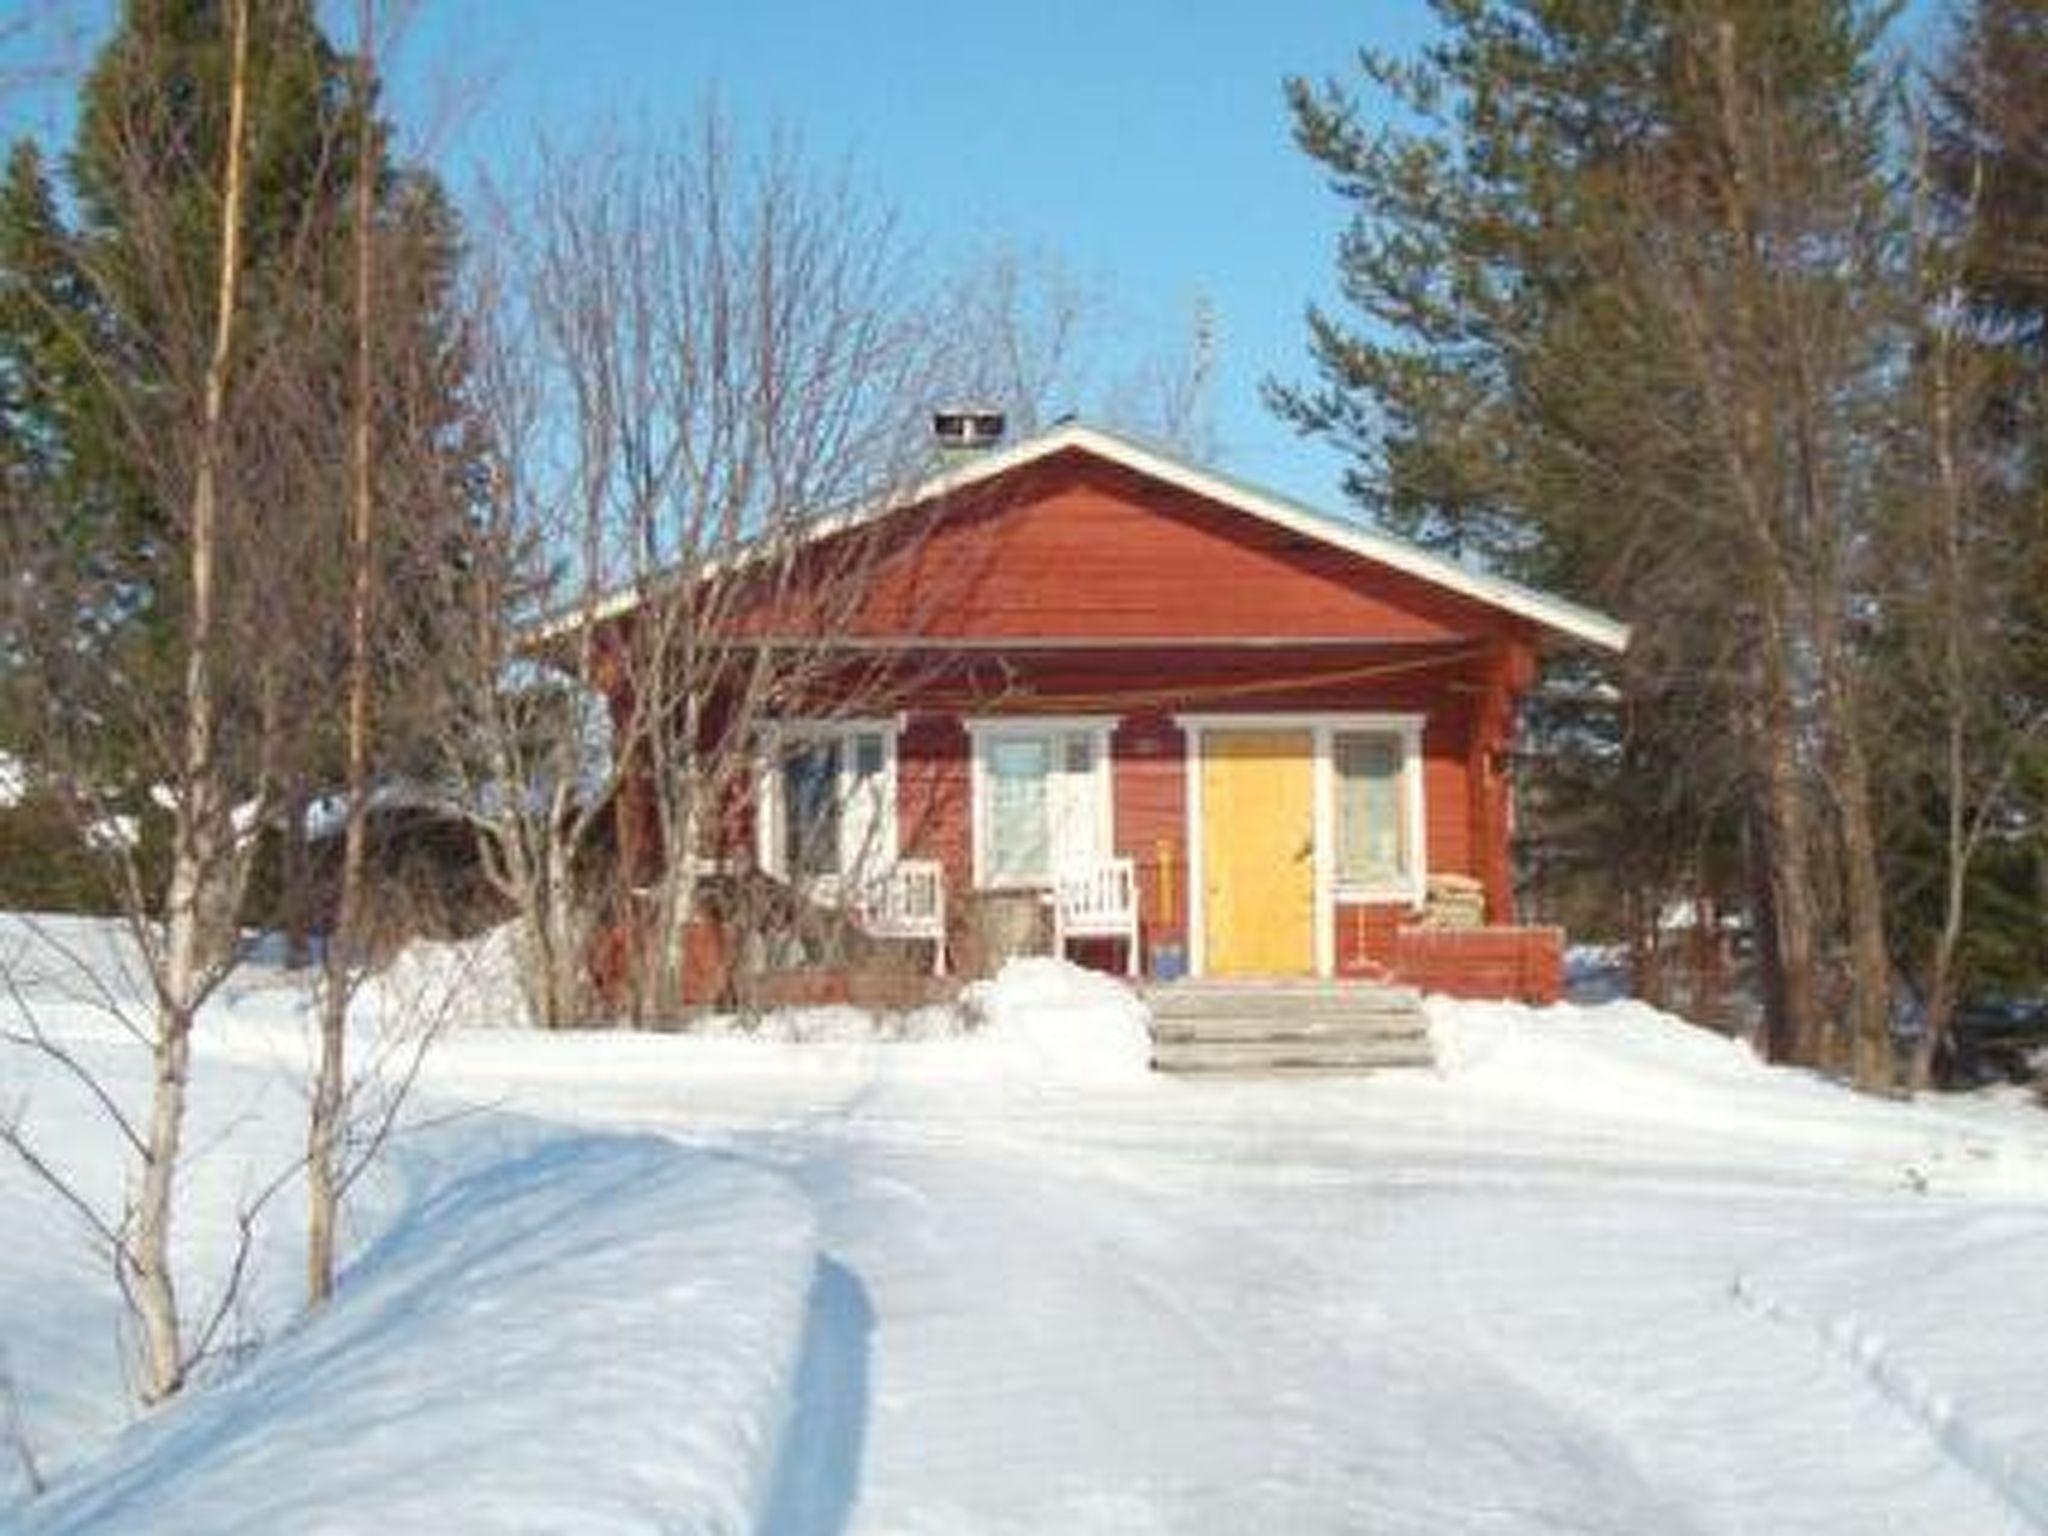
1645	956
202	861
295	880
1789	867
1870	1041
324	1174
1775	1036
1939	1013
152	1284
1708	981
1870	962
1959	837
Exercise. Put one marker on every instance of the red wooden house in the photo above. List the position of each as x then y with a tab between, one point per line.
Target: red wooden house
1148	695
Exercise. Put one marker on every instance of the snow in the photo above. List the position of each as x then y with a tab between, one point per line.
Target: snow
981	1272
521	1317
113	834
13	781
472	984
1058	1023
1682	1090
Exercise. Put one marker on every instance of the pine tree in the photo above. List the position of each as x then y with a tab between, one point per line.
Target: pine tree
1987	154
1991	157
93	309
1614	311
186	403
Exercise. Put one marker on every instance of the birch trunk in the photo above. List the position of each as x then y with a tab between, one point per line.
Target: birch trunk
324	1174
202	886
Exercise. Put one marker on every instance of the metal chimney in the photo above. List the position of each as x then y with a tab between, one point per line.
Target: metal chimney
966	430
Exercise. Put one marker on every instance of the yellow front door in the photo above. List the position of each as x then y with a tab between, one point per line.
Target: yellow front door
1258	847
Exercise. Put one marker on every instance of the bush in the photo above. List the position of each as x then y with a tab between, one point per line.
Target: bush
47	866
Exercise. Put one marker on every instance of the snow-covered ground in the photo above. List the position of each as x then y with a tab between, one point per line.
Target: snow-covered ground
1601	1272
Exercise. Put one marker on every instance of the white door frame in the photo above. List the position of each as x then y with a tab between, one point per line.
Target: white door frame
1321	728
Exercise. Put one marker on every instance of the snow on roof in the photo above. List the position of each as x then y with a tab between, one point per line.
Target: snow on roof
1556	614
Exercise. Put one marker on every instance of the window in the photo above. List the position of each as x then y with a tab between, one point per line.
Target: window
810	810
1017	838
1371	775
1041	799
829	807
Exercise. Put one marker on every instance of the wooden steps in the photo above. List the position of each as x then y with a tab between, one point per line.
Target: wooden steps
1286	1027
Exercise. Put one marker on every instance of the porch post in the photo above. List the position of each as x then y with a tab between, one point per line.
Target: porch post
1506	671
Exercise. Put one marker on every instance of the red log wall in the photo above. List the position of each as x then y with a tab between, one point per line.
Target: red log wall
986	601
1522	964
1148	761
1076	547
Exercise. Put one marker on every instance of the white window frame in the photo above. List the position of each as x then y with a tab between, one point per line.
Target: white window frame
1411	886
778	738
983	732
1322	729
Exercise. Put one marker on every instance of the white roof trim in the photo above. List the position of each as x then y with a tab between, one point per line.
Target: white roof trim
1553	613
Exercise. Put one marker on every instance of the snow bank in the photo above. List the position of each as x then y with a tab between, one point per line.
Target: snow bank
460	984
1629	1067
592	1333
1599	1051
1051	1020
1041	1018
835	1024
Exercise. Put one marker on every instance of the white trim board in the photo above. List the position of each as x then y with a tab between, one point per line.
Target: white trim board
1553	613
1320	729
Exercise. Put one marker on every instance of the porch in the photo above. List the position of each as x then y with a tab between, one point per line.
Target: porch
1361	843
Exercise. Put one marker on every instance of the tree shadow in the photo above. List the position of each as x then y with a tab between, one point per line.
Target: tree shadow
817	1475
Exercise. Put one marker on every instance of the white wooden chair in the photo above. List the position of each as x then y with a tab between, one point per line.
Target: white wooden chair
1097	901
907	902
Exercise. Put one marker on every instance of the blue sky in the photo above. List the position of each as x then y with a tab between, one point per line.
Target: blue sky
1143	144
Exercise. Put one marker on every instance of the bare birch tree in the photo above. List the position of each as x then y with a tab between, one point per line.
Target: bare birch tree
701	357
214	740
324	1173
171	628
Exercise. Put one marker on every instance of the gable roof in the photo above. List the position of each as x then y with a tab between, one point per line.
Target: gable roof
1555	614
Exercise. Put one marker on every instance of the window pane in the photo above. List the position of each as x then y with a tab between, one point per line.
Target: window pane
810	810
1017	838
867	755
1371	828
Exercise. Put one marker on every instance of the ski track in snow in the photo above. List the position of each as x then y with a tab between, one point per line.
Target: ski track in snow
1865	1351
1556	1422
1466	1370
